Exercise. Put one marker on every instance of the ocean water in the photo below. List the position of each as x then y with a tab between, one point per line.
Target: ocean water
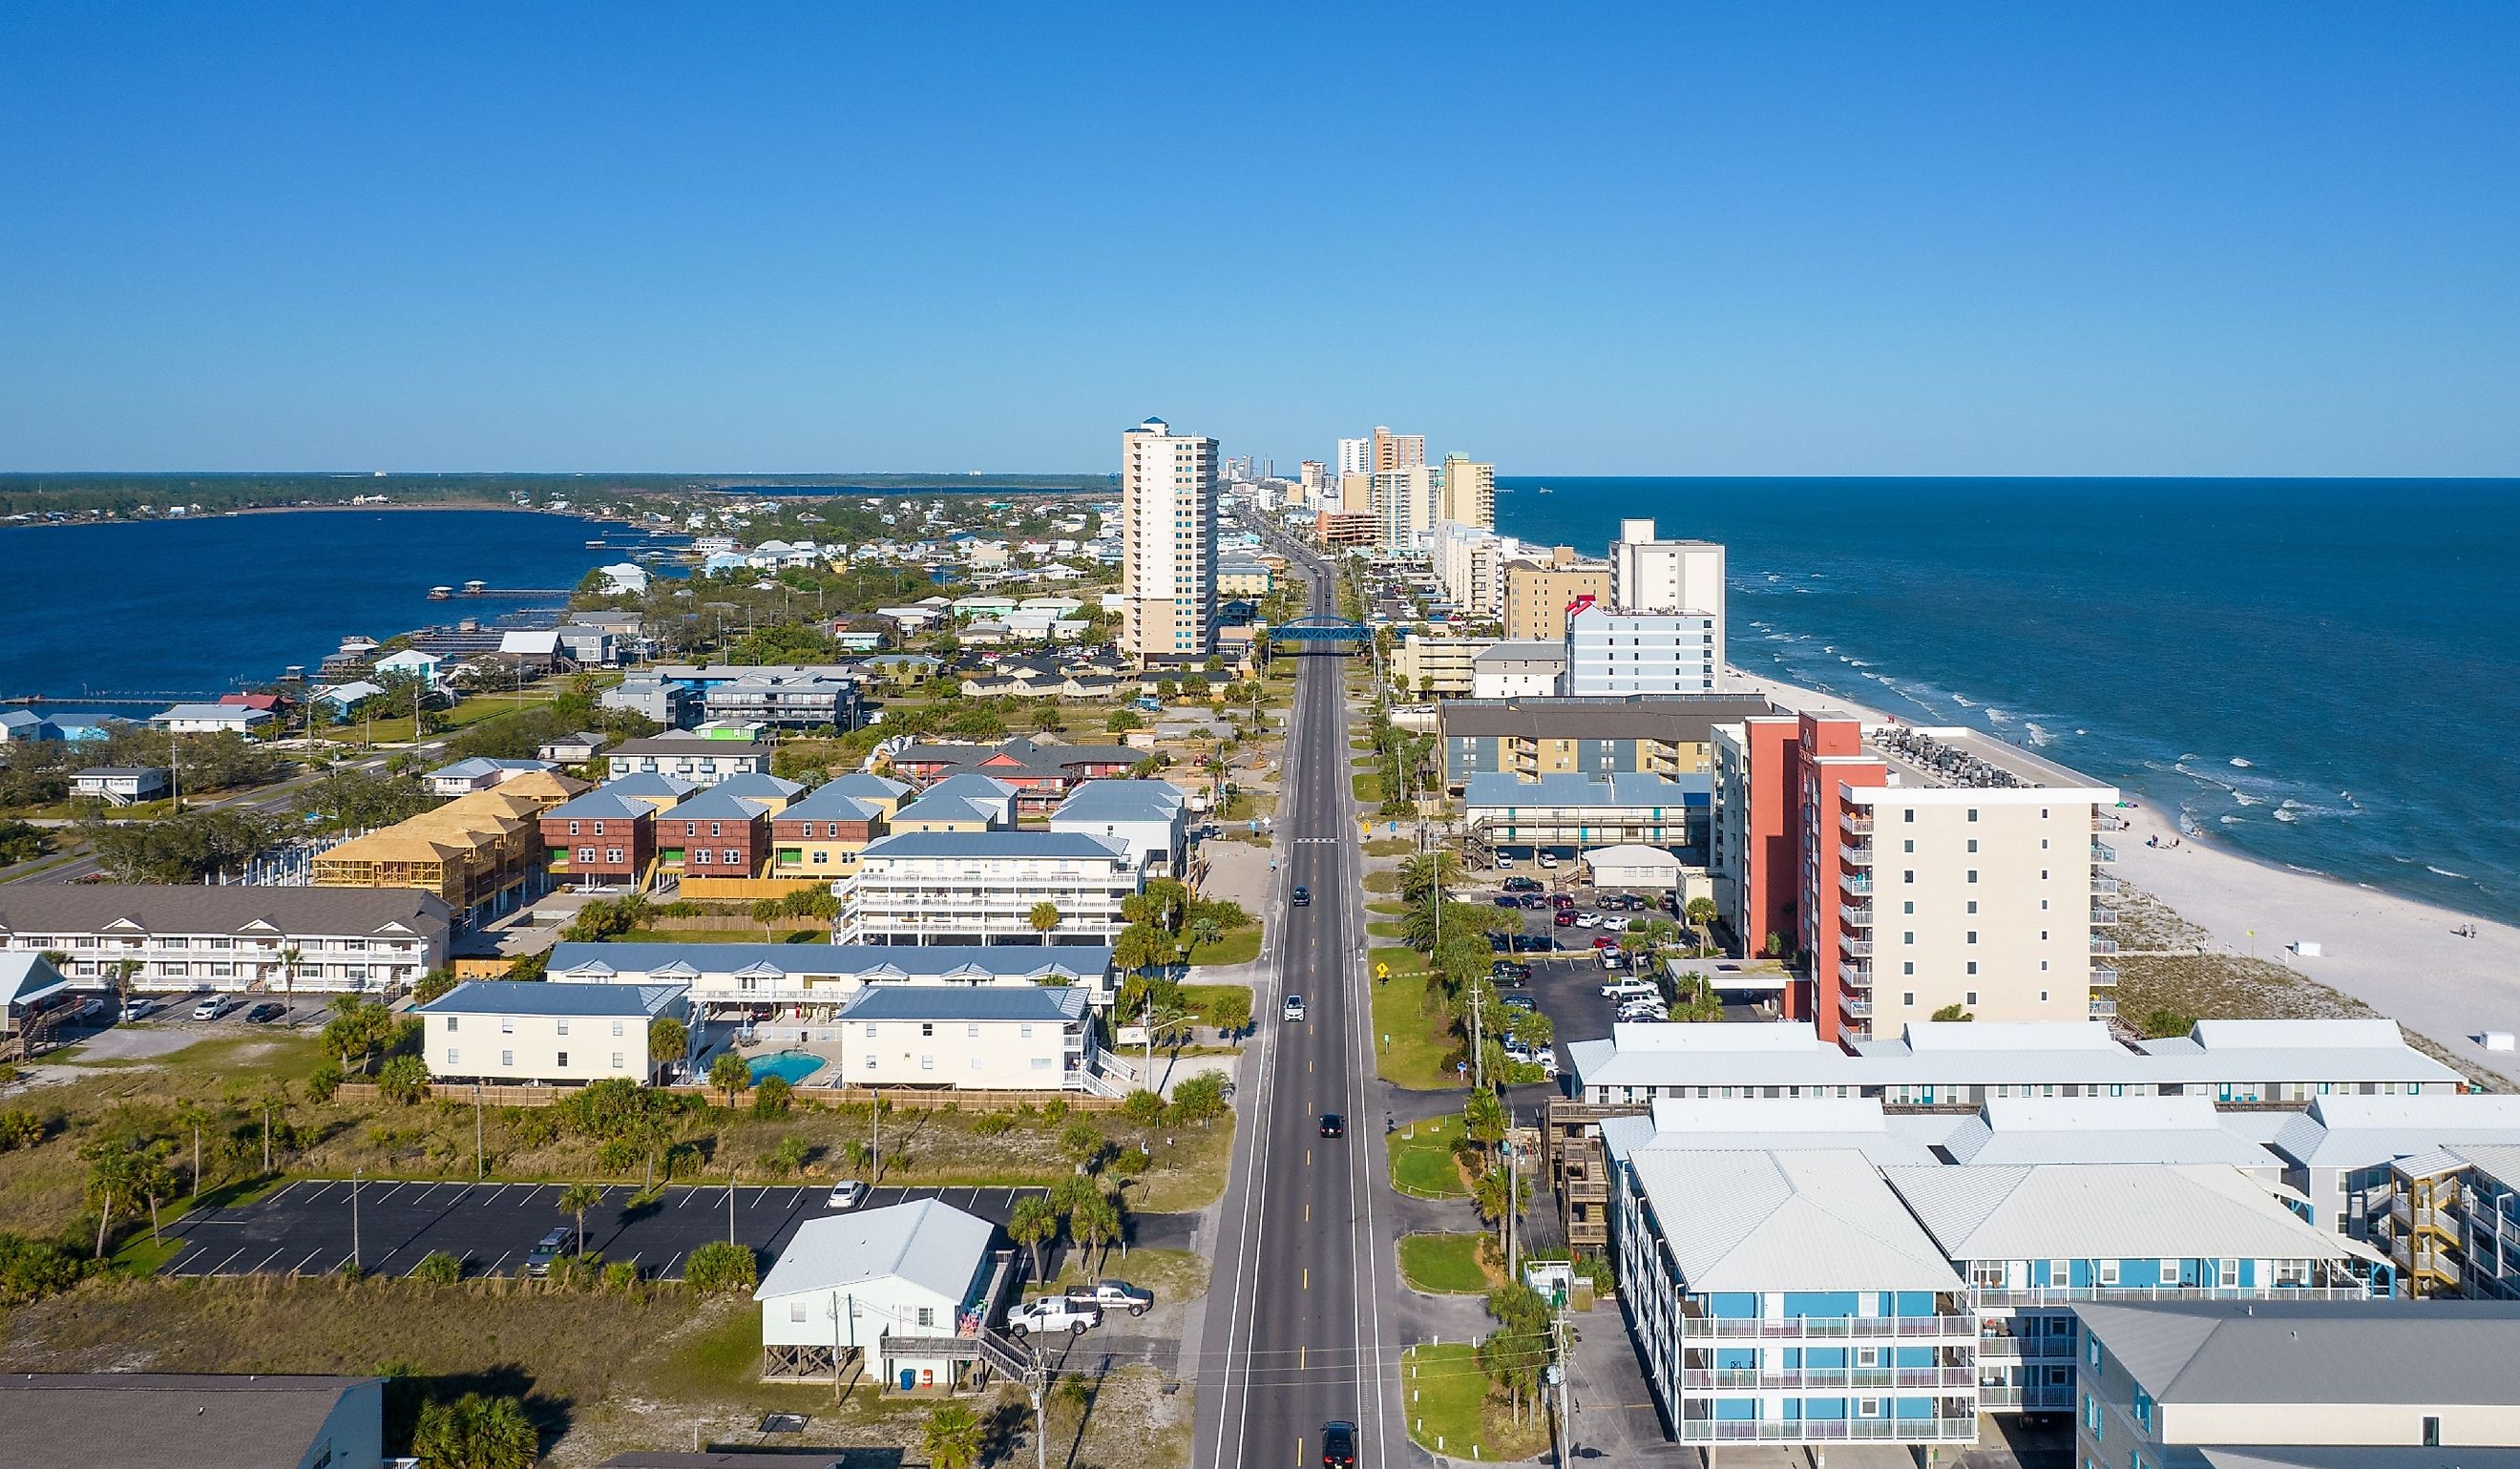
200	606
2320	673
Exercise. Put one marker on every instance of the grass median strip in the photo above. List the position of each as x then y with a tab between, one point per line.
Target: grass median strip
1412	1029
1449	1412
1443	1265
1421	1159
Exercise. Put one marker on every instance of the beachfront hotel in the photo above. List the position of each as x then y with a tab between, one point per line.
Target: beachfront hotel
1167	545
1904	871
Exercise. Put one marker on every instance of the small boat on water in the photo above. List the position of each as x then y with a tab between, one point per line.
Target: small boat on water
1544	489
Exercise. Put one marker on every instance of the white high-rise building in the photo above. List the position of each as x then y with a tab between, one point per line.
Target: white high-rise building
1404	506
1615	652
1167	543
1649	575
1356	456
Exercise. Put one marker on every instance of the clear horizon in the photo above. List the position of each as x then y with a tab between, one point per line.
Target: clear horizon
1964	240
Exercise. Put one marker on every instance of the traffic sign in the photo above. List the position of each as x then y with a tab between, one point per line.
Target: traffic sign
1382	971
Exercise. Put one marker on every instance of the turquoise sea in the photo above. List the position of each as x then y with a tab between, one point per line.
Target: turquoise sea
2321	673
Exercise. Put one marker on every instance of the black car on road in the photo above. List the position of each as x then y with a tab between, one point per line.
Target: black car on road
1338	1445
1334	1125
1301	897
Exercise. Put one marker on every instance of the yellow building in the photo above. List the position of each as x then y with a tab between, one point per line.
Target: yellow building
480	853
1536	594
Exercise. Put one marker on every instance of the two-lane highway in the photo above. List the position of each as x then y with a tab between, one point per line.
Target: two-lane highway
1296	1323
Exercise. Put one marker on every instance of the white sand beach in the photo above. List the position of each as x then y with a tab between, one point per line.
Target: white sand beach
2394	954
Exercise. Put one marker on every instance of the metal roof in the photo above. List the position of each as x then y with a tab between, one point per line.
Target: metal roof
976	962
77	1420
2340	1353
2102	1129
604	803
829	803
714	804
863	784
1123	801
1052	1004
929	1243
649	783
2352	1456
2362	1132
72	907
1782	1125
1562	789
1676	718
26	974
1816	1220
979	845
754	785
504	997
2106	1210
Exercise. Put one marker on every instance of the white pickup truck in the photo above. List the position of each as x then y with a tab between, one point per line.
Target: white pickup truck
1052	1314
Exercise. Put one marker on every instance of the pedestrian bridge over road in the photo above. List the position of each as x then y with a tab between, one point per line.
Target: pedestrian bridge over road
1337	634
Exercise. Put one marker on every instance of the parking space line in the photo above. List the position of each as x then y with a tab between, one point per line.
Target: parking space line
222	1265
300	1267
669	1266
502	1259
265	1259
795	1198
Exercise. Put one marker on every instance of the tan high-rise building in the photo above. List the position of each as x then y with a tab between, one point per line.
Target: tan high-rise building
1355	495
1404	506
1469	492
1397	451
1536	594
1167	543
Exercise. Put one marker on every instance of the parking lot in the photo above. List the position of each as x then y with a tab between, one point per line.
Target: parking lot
307	1228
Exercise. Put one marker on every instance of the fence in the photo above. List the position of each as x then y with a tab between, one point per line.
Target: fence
748	889
902	1099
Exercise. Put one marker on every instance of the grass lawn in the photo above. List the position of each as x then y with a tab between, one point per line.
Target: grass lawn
1419	1040
1367	787
1389	846
1449	1412
1382	883
1395	909
1198	997
1392	932
1421	1159
1443	1265
1172	1274
1239	946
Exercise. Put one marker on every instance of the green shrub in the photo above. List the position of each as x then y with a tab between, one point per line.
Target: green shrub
1053	1111
771	1095
622	1275
402	1080
19	1128
324	1082
992	1123
438	1267
722	1266
1143	1107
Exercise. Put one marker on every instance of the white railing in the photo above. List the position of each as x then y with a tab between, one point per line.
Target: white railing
1798	1329
2061	1295
1830	1431
1793	1379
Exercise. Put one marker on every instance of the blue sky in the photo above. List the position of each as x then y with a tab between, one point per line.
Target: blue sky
1933	239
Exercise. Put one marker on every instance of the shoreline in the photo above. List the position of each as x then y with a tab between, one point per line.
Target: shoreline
2395	953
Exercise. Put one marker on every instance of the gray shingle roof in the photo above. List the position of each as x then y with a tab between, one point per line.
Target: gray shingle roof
969	962
2314	1352
604	803
183	908
86	1419
503	996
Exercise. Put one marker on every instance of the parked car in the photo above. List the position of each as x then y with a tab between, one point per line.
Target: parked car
210	1008
1518	1052
1547	860
1518	1001
549	1248
1301	897
1522	884
1052	1314
1564	919
1611	958
1113	1295
88	1009
1507	971
267	1012
1588	919
138	1008
1334	1125
1548	1062
1531	942
1507	899
1605	941
1293	1009
848	1193
1561	900
1534	902
1630	989
1505	861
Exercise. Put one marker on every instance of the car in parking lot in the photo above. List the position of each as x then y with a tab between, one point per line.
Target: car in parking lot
1113	1295
1564	919
547	1250
1611	958
210	1008
1561	900
267	1012
1518	1001
1531	942
1293	1009
1585	918
1547	860
848	1193
143	1005
1507	899
1052	1314
1507	971
1505	861
1534	902
1522	884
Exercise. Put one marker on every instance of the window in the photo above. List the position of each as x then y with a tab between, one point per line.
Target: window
616	1028
2092	1414
2108	1273
926	1028
796	1311
1972	935
2143	1410
564	1026
2091	1351
730	858
1972	874
1909	815
2432	1432
617	1063
507	1060
451	1023
927	1315
1971	997
506	1025
1907	997
971	1033
1972	905
1973	844
563	1061
454	1058
975	1063
586	854
1023	1031
927	1064
871	1061
1972	811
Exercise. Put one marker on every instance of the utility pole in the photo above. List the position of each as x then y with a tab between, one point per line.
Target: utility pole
1512	1189
1478	1048
481	1161
1560	1337
354	1220
1037	1377
731	1177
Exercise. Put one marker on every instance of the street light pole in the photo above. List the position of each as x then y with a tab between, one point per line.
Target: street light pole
354	1221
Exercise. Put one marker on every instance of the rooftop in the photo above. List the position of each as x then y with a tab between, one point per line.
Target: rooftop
929	1243
1049	1004
2102	1130
87	1419
975	846
1814	1220
2314	1352
70	908
1678	718
502	997
829	803
604	803
714	804
2106	1210
1626	789
976	962
2362	1132
1958	756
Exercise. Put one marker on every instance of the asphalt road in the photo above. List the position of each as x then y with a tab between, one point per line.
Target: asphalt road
308	1227
1299	1330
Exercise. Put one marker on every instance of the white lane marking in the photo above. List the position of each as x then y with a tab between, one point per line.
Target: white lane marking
669	1266
223	1265
299	1267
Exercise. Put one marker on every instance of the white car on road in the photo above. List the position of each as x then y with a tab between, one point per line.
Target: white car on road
1293	1009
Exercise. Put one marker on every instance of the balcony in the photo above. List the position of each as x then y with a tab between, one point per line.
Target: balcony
2042	1396
2103	852
2103	915
1855	823
2103	945
1799	1379
2102	976
1860	948
1859	915
1858	884
1855	854
2029	1348
2102	1009
1824	1329
1855	1004
1857	972
1830	1431
2065	1295
2104	887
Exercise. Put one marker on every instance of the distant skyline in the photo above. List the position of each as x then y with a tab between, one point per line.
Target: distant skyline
1949	239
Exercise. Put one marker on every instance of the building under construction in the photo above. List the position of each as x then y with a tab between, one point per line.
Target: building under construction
482	853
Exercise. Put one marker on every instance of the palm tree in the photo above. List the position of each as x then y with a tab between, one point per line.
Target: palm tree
125	971
576	1199
1044	918
1033	1223
1205	932
728	1075
195	1116
289	962
1096	1223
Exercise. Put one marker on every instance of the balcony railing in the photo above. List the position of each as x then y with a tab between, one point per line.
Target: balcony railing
2042	1396
1799	1328
1860	948
2101	1009
1855	854
1859	915
1792	1379
1830	1431
2101	915
1860	823
2032	1348
2104	887
2102	976
1855	971
1855	1004
2103	945
1855	882
2061	1295
2103	852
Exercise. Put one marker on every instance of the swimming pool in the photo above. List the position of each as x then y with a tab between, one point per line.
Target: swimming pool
790	1066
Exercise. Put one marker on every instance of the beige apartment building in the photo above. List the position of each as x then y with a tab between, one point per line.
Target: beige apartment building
1397	451
1536	594
533	1034
1031	1038
1470	491
1437	665
1167	545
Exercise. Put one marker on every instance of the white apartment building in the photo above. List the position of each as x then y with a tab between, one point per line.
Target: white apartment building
1614	652
1404	506
1468	560
531	1034
1355	457
1519	670
812	981
1167	543
980	887
1468	491
1010	1040
230	938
